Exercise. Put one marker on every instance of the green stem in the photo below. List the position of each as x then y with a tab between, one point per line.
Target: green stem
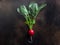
30	27
27	20
30	22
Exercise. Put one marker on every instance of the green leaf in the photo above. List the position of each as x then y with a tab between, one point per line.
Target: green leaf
23	10
33	9
18	10
42	6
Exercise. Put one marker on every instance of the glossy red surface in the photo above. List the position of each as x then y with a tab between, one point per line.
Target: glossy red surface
31	32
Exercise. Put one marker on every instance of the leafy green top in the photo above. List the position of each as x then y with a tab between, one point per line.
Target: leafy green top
30	13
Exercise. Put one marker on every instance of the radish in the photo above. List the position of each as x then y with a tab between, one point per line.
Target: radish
31	32
30	13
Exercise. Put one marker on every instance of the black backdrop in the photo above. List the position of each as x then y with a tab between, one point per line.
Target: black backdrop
13	30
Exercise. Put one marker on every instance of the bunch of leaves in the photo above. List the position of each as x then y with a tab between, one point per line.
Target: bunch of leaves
30	13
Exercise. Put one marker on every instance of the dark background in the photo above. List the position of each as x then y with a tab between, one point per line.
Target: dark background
13	30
